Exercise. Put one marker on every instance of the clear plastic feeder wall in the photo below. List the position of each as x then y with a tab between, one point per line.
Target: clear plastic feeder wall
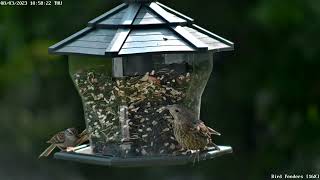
125	99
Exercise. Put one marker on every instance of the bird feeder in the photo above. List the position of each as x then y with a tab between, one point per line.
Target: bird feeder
129	64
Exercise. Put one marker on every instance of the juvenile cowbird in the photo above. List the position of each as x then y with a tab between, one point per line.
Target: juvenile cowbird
190	132
65	139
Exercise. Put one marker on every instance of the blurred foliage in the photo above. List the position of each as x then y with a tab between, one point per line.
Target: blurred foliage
264	97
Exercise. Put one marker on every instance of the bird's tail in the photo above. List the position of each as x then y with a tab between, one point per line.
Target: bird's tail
48	151
214	145
212	131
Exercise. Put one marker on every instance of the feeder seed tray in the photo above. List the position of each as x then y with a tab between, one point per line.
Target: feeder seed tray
84	155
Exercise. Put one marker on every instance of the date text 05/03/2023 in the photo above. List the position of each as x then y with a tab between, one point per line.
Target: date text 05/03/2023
30	3
295	176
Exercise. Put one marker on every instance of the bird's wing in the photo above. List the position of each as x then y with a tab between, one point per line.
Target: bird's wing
48	151
207	129
203	130
83	133
212	131
82	139
58	138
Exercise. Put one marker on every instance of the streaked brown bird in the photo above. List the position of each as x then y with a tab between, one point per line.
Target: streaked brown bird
190	132
65	139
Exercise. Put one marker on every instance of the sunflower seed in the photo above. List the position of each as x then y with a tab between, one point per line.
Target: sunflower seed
143	152
166	129
172	146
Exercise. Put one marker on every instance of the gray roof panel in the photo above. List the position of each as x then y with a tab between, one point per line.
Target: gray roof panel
70	38
146	17
81	50
107	14
153	31
118	41
156	34
190	37
125	16
162	49
92	43
213	44
174	42
88	44
131	14
163	40
115	18
99	35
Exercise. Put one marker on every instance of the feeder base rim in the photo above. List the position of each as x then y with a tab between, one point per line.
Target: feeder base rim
83	154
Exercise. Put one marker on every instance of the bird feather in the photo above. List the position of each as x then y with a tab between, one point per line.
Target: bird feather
48	151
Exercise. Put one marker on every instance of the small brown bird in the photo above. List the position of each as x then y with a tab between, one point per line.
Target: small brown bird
64	140
190	132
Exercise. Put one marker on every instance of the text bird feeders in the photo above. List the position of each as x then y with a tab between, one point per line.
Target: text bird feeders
129	64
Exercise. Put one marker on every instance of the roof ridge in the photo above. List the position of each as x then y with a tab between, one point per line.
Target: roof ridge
210	34
177	13
165	15
131	14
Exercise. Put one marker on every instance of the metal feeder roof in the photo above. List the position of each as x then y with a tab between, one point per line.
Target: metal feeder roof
138	28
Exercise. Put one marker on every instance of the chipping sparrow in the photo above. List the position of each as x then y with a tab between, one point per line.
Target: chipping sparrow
65	139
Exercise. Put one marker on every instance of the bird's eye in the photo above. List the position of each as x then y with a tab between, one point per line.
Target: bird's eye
176	110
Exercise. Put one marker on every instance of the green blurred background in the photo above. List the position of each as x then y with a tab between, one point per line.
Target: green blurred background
264	97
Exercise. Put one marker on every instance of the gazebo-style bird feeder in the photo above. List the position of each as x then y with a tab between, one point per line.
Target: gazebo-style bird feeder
129	64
